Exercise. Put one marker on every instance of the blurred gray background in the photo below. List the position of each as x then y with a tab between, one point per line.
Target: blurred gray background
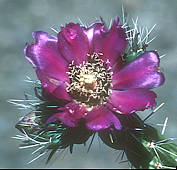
19	18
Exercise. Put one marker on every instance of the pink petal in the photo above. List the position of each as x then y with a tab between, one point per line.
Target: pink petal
70	115
132	100
45	56
73	43
101	118
141	73
110	42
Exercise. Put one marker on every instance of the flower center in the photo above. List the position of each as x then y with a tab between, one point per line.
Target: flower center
90	82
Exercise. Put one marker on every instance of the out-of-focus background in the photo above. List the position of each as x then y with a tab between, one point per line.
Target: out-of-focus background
19	18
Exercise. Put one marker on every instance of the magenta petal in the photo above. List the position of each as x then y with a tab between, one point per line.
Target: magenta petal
46	81
101	118
132	100
73	43
53	86
92	32
110	42
45	56
64	117
61	93
141	73
70	114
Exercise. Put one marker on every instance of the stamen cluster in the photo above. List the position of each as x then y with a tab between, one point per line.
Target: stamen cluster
90	82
